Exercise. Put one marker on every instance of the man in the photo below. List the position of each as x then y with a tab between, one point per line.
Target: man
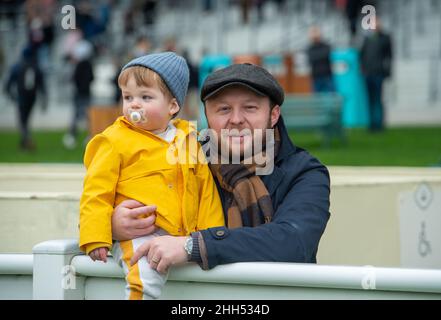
25	82
275	217
82	79
376	62
319	53
352	10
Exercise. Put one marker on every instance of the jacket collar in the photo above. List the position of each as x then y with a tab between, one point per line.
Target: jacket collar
185	128
286	146
286	149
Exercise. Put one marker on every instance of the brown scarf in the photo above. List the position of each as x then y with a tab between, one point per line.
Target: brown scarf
247	191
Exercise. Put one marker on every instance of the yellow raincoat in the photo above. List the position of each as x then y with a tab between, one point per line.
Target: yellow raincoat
125	162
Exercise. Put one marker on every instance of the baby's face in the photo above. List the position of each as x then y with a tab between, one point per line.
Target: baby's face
154	108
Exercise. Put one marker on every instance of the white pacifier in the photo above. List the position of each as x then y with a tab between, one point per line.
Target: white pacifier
137	116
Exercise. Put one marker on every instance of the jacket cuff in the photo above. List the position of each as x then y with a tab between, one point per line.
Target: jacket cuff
88	248
199	251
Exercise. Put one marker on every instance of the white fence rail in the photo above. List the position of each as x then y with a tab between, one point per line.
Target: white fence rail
57	270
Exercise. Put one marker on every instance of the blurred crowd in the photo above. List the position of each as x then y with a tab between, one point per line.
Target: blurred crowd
25	79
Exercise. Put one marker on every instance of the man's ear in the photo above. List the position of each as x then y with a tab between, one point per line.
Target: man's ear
275	114
174	107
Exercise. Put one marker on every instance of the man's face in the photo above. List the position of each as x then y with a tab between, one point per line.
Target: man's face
239	108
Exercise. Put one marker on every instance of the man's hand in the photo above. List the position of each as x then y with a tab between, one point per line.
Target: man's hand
162	252
99	254
125	222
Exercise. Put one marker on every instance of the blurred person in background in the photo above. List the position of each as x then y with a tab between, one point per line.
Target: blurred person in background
353	10
40	21
24	82
129	21
82	79
70	40
118	63
142	47
207	5
149	11
170	44
376	65
245	6
191	110
260	4
92	18
319	59
9	10
139	14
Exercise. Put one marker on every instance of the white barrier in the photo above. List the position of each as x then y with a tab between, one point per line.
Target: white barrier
368	206
16	276
372	206
58	271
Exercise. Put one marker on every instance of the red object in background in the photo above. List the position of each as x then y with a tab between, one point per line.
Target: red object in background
341	4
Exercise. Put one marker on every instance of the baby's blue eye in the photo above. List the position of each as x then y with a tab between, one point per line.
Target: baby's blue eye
146	97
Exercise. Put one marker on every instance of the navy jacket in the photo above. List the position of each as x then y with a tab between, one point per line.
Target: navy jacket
299	188
376	55
319	59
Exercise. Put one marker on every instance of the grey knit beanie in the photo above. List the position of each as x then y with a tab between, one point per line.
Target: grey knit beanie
173	69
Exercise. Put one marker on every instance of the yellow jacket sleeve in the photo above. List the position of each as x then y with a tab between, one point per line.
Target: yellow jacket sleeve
98	197
210	207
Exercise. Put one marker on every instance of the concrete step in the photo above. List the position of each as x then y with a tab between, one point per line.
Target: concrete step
32	217
41	177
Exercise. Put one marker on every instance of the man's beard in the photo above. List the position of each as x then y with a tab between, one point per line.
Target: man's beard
244	151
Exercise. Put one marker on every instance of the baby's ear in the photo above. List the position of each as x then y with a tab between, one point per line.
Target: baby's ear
174	107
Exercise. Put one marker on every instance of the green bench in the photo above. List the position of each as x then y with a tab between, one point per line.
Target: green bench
317	112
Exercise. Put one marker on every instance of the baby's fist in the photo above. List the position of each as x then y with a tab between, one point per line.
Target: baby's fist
99	254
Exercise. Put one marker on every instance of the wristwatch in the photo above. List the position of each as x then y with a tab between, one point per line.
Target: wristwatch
188	246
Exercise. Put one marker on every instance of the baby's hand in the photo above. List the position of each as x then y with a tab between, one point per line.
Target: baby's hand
99	254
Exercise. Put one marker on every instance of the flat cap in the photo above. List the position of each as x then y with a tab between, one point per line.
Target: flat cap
252	76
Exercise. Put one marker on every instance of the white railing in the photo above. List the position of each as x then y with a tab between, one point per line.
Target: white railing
16	276
57	270
16	264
